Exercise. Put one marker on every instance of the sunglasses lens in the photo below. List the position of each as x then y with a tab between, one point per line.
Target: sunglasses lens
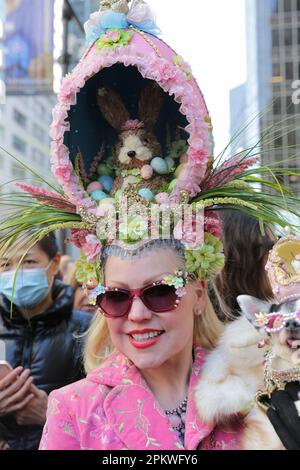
275	321
160	298
114	303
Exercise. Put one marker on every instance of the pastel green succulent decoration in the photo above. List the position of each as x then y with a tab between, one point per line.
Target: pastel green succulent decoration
175	281
206	259
86	270
114	37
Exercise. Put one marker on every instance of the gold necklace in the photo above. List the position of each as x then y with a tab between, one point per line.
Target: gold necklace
274	380
279	378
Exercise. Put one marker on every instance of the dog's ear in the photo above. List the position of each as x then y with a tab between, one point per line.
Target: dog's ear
150	104
112	107
251	306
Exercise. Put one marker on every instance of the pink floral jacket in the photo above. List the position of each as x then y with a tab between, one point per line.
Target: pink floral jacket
114	409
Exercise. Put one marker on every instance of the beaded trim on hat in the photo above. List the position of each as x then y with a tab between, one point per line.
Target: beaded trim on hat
125	250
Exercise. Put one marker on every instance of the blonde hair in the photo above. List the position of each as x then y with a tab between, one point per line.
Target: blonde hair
207	330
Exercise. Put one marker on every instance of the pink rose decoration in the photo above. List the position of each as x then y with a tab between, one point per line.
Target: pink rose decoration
60	113
132	125
212	224
92	248
147	172
63	172
78	237
167	71
57	130
68	92
190	231
197	143
198	156
60	150
112	36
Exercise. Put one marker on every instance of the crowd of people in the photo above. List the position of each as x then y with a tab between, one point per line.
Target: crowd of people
43	340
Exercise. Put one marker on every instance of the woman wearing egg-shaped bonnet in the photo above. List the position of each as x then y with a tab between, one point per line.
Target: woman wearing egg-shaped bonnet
132	151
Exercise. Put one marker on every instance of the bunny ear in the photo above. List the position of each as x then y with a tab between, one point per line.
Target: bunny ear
112	108
150	104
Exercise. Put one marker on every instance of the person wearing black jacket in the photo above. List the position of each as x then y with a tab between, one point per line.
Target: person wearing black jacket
284	415
43	337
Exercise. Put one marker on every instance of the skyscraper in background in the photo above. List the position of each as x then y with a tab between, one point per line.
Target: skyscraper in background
237	118
83	9
273	62
25	120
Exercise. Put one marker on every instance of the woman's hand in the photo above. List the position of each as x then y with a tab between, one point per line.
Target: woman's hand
34	413
3	445
15	391
284	415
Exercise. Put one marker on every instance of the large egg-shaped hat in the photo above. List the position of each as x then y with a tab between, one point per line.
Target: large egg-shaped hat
147	85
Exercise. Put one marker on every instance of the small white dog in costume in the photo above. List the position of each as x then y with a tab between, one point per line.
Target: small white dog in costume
248	360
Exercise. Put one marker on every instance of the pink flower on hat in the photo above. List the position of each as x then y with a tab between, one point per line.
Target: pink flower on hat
190	231
78	237
167	71
63	172
58	130
112	36
212	224
92	248
68	91
198	155
132	125
60	113
60	150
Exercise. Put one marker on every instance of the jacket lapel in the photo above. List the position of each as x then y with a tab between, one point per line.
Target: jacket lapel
138	420
137	417
195	430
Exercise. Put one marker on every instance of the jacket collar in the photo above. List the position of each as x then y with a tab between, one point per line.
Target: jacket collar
137	417
60	308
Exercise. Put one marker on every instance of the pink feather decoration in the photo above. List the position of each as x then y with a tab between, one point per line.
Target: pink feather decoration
228	171
47	197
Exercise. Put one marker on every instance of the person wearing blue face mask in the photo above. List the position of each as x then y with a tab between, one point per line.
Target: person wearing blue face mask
42	337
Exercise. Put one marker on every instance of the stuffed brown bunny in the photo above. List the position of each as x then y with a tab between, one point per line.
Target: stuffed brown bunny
137	144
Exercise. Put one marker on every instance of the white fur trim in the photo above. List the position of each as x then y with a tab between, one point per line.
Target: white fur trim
232	373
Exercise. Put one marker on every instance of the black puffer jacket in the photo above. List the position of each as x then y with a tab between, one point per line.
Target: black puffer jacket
47	345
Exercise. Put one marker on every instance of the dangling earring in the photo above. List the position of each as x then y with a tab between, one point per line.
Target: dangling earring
197	311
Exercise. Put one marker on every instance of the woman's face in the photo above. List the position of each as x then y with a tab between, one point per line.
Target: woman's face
35	258
175	327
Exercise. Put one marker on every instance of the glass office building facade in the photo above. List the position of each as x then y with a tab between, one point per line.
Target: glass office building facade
273	52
